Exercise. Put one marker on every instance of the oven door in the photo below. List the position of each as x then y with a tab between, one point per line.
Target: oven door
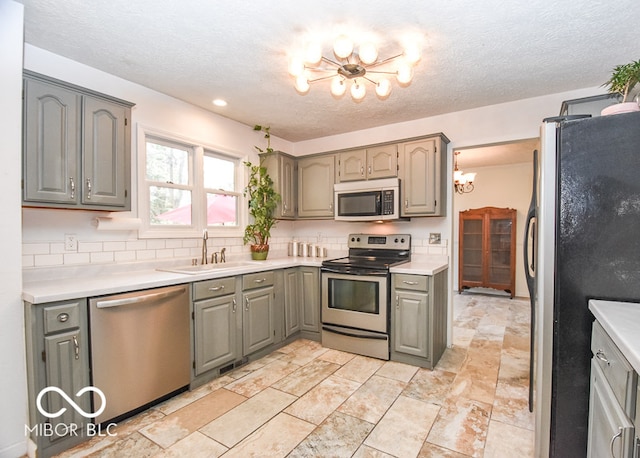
355	301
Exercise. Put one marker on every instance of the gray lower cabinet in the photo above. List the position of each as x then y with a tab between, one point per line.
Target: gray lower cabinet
423	176
316	176
418	318
302	301
76	147
57	356
215	310
612	400
258	311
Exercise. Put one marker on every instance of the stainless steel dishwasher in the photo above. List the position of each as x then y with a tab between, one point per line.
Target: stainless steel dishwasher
139	347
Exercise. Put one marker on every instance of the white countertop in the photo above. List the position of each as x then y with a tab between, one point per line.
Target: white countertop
621	320
88	281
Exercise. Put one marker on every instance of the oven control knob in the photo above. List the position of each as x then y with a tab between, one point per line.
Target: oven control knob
401	240
358	239
353	239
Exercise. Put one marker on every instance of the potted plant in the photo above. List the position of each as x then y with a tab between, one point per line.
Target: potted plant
623	79
263	200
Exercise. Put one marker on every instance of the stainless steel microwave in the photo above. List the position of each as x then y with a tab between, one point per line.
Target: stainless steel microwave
375	200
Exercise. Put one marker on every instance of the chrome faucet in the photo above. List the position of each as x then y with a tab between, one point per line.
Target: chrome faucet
222	259
214	256
205	237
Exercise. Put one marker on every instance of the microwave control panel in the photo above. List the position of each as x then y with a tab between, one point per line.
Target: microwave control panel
387	202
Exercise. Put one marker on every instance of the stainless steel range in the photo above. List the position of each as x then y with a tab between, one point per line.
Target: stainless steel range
356	294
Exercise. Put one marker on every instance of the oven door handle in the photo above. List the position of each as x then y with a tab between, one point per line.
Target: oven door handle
361	335
356	271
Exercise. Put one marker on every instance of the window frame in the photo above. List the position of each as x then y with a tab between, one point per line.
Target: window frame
199	193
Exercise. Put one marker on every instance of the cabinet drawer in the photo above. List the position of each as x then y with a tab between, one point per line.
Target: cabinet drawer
257	280
214	288
62	316
412	282
616	368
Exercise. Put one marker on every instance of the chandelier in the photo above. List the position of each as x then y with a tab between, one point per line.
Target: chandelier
348	65
462	182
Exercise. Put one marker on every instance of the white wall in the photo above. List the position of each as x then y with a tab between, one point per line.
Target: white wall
13	382
500	186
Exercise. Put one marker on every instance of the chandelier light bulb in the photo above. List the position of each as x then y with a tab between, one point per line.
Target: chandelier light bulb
313	53
358	90
368	53
302	84
338	87
296	66
412	54
405	73
383	88
343	47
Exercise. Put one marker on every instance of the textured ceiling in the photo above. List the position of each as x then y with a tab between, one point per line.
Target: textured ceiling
475	53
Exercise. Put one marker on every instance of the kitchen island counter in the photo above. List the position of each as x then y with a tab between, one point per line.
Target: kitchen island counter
620	320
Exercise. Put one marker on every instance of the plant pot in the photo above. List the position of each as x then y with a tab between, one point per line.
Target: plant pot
259	252
625	107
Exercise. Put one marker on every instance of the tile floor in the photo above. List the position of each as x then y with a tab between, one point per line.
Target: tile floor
304	400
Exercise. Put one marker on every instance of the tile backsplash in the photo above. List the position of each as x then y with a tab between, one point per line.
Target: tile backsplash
51	254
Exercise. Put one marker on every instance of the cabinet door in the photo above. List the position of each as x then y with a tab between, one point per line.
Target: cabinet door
104	153
382	161
291	301
353	165
411	320
257	320
610	431
316	177
420	178
66	369
51	143
471	250
500	249
215	332
310	298
288	187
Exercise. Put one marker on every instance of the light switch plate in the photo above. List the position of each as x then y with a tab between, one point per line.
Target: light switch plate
434	238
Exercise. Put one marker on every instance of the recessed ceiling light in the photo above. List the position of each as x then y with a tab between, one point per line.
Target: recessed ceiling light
220	102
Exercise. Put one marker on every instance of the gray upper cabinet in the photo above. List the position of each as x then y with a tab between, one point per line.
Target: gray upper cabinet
76	147
422	170
316	176
282	170
368	163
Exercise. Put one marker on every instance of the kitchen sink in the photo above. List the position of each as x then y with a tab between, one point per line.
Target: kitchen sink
203	268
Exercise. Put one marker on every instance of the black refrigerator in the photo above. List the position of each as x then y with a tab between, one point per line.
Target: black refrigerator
583	242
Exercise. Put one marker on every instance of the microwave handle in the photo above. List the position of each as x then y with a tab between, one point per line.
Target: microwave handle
379	203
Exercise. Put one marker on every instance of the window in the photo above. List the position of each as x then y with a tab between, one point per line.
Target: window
186	188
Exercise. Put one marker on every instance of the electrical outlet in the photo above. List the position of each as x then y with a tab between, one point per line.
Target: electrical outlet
70	242
434	238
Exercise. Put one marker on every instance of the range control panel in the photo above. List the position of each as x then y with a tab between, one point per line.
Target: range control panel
383	242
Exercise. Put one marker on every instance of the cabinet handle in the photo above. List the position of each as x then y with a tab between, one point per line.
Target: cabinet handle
233	309
397	302
63	317
246	304
259	280
602	357
369	170
409	282
406	203
613	439
361	171
331	206
216	288
284	205
72	184
76	346
88	188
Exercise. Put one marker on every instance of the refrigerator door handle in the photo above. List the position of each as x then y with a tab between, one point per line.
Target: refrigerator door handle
530	271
